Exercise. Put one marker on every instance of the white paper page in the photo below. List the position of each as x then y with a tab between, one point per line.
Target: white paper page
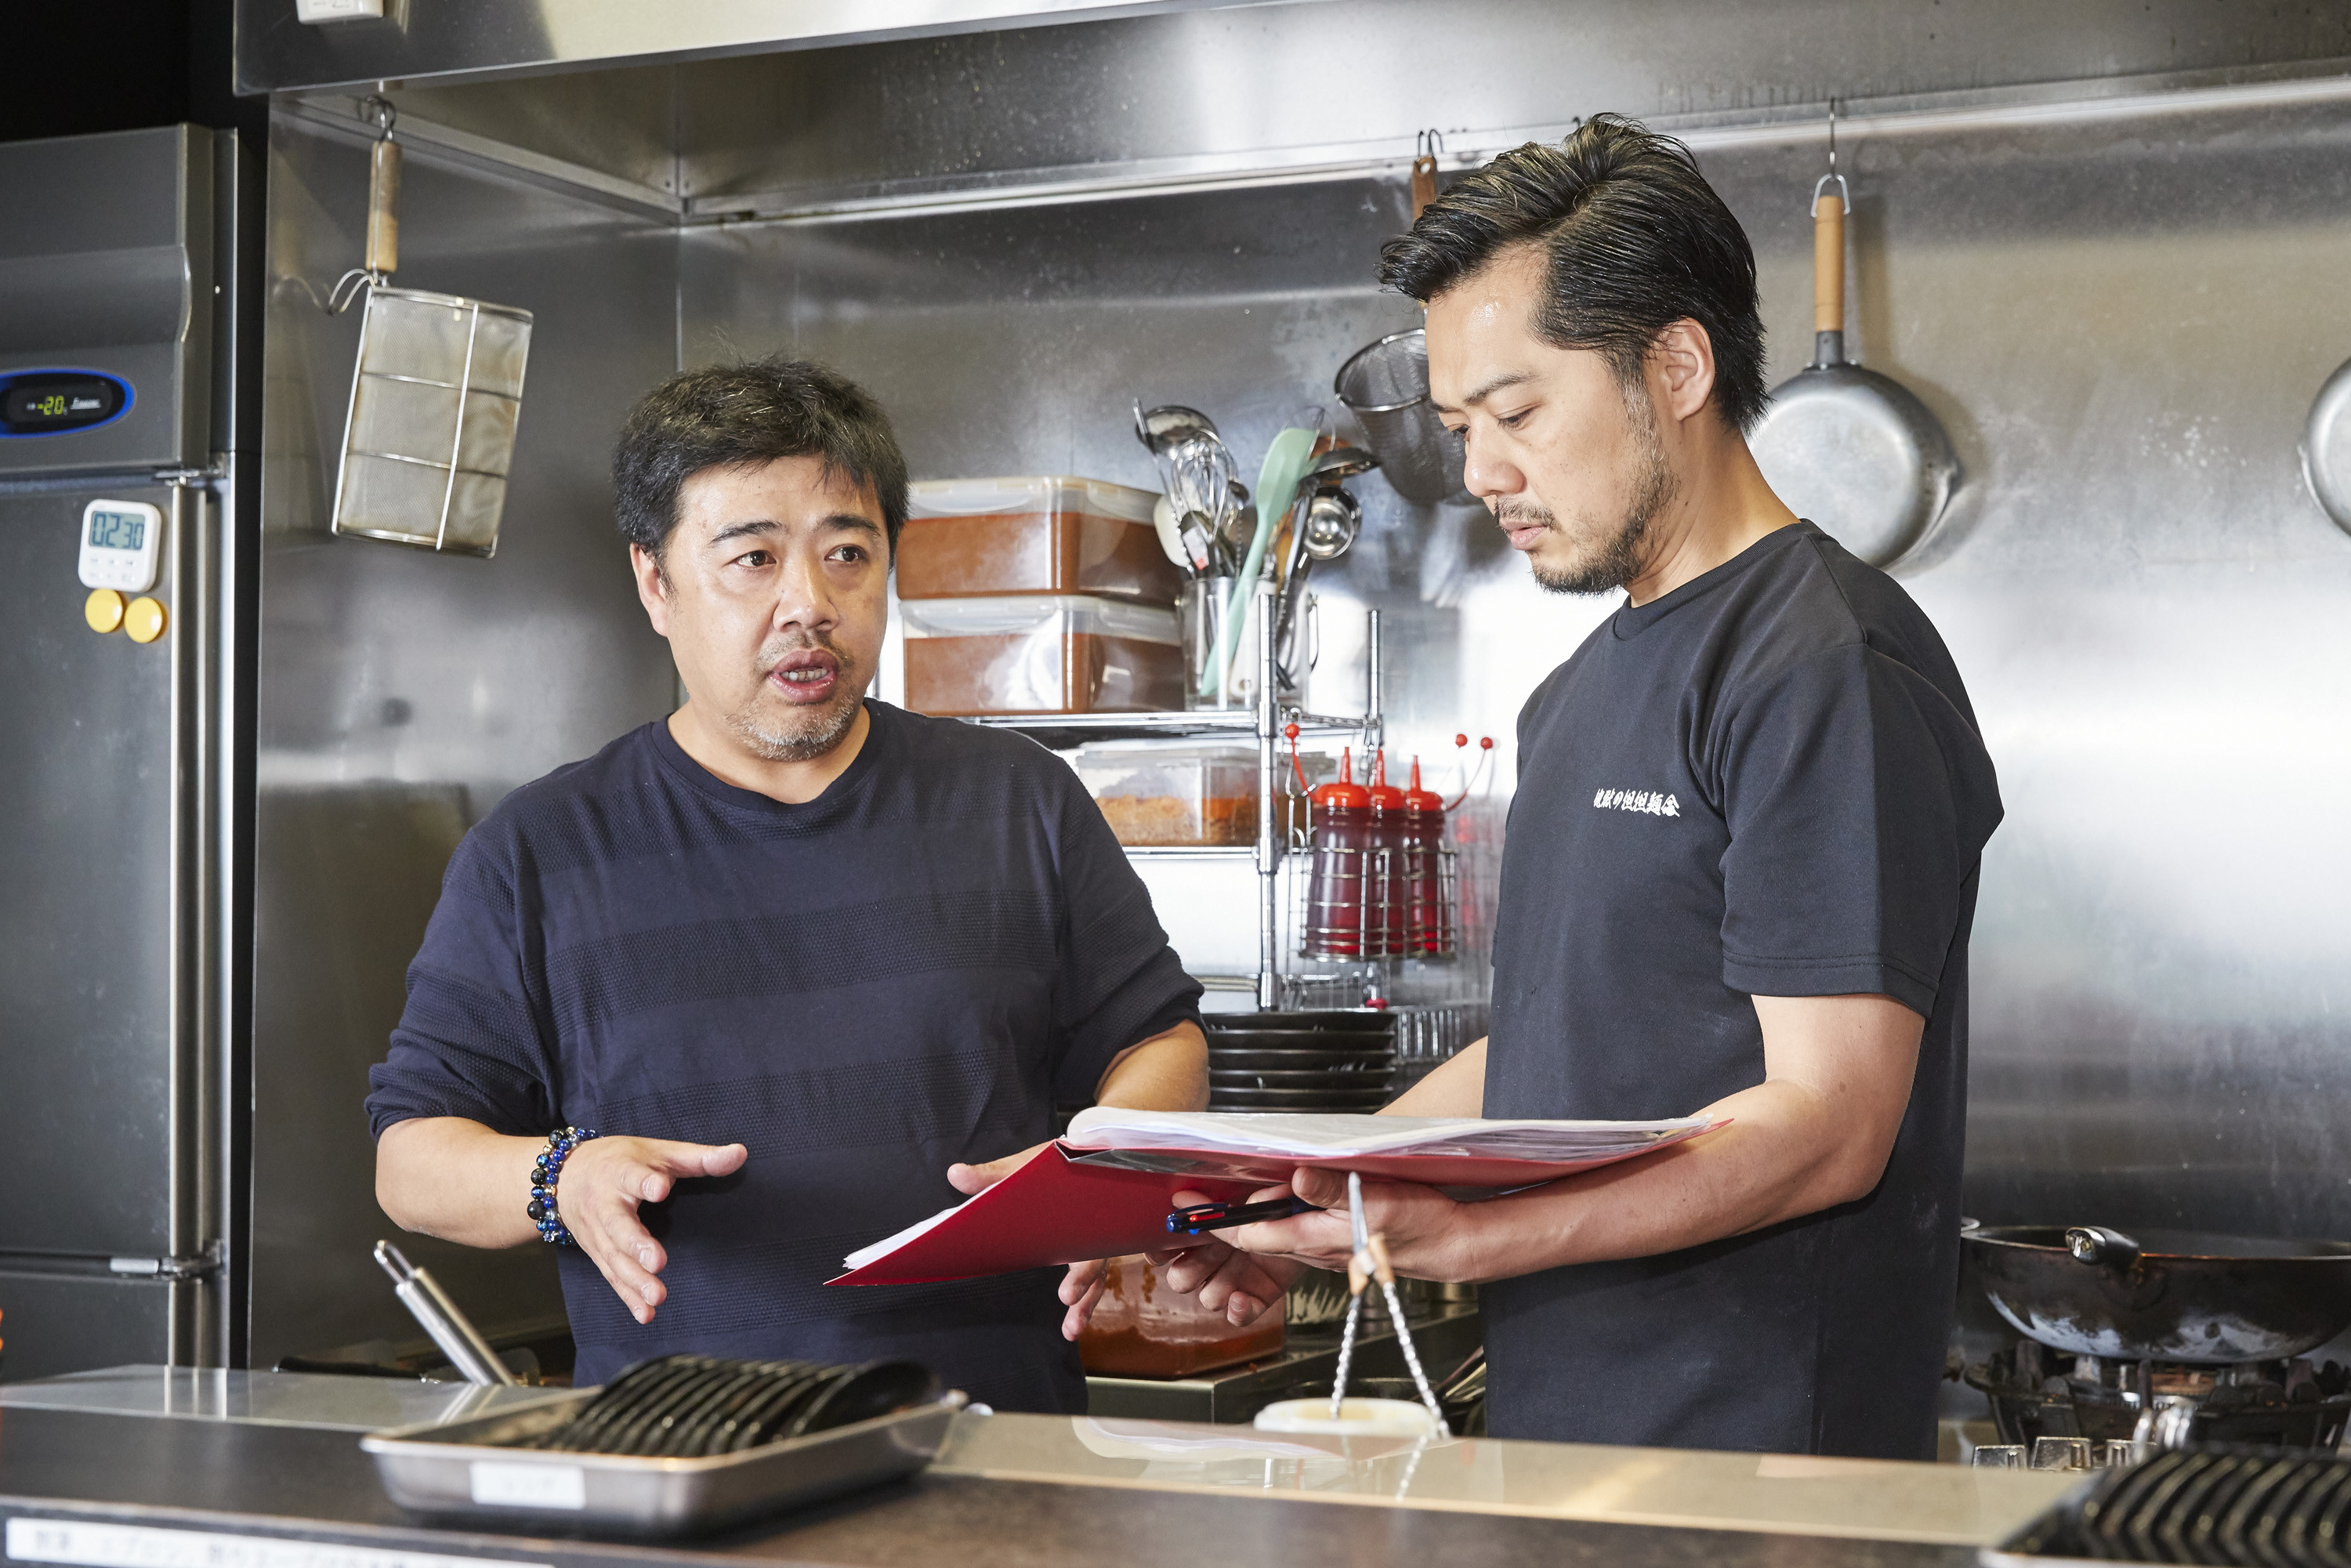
1300	1135
864	1255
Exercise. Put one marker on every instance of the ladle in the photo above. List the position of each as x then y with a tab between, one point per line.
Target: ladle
1340	462
1170	425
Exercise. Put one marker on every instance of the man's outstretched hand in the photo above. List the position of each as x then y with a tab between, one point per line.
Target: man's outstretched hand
598	1194
1081	1287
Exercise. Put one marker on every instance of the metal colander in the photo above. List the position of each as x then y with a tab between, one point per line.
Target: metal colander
1385	386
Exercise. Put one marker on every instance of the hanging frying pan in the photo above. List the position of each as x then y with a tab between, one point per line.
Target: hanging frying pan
2326	448
1852	450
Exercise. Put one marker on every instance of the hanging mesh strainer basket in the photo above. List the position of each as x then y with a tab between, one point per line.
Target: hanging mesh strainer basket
1385	386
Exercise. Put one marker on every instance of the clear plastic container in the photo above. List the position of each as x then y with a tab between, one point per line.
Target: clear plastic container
1142	1329
1174	795
1054	533
1041	654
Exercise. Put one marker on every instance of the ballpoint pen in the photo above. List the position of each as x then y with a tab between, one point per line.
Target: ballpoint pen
1202	1217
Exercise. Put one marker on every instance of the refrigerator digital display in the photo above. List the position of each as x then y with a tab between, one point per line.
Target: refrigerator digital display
53	403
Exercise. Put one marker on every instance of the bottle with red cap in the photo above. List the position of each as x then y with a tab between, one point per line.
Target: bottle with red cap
1334	887
1384	873
1428	906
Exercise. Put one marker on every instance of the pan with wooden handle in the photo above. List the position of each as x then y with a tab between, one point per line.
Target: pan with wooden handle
1852	450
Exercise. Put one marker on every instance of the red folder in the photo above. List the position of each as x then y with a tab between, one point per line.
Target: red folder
1050	1210
1055	1209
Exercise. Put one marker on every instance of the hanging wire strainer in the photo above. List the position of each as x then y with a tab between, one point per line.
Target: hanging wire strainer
1385	386
434	395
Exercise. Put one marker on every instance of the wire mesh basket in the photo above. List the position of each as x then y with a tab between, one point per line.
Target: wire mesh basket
1377	903
434	399
1385	386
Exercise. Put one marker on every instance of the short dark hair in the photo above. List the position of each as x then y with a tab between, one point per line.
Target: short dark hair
1635	240
742	415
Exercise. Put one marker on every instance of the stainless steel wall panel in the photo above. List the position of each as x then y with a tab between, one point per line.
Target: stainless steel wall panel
2122	324
1280	84
401	694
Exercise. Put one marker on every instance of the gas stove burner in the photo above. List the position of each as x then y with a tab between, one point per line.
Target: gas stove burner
2036	1392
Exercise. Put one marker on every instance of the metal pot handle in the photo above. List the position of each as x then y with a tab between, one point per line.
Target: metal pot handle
2101	1247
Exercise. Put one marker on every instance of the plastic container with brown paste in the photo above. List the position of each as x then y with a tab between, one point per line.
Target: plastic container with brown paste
1041	654
1141	1328
966	537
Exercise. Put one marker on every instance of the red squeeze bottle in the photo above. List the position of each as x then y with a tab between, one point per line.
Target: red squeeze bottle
1334	888
1384	886
1429	915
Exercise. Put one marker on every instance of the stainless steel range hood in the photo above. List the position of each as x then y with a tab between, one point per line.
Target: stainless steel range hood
486	39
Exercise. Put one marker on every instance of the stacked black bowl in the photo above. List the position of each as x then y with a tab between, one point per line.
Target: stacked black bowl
1301	1062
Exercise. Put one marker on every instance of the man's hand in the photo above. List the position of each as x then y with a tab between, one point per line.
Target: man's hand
1169	1072
1244	1272
598	1194
1814	1133
455	1178
1081	1287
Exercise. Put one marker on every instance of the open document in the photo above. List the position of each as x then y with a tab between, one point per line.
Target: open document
1106	1190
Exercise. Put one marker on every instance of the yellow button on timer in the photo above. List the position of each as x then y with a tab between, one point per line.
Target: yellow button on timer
145	620
102	610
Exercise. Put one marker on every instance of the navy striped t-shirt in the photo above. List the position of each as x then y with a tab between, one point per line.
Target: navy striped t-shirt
910	971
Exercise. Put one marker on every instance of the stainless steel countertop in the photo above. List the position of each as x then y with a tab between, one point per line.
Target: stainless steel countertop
1879	1499
269	1399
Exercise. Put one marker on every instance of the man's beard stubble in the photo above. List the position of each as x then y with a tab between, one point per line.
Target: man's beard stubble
825	728
1624	554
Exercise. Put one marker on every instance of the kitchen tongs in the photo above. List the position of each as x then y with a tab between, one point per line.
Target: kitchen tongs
1369	1263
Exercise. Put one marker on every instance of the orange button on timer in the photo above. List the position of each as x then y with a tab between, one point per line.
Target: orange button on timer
145	620
102	610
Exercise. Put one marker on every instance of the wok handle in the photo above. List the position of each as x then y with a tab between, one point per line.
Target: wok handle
2101	1247
384	208
1828	262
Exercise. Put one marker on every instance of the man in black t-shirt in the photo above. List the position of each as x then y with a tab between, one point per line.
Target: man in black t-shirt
804	960
1739	874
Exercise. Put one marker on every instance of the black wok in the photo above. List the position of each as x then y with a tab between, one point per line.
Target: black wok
2164	1295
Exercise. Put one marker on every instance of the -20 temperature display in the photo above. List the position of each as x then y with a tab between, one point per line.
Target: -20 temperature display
54	403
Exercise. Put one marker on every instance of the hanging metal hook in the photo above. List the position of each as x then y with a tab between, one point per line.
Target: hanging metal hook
379	111
1844	191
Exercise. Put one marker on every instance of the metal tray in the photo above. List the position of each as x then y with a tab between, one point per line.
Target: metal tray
454	1472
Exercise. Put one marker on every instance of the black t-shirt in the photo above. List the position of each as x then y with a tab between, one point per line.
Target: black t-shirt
908	971
1766	782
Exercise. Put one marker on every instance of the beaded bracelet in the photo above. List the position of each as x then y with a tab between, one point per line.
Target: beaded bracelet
544	1173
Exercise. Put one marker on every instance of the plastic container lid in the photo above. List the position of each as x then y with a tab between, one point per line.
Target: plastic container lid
1015	614
1343	793
1384	797
1041	493
1420	802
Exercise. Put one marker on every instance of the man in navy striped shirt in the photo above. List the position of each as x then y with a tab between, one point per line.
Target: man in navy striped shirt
811	964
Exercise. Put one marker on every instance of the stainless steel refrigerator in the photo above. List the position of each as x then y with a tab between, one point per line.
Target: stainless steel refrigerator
120	348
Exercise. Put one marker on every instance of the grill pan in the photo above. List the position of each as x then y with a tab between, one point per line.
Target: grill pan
504	1469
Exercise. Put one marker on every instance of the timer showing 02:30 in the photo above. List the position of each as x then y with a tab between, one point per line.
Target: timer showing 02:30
117	530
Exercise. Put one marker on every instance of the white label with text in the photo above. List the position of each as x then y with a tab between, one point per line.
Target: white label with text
87	1544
